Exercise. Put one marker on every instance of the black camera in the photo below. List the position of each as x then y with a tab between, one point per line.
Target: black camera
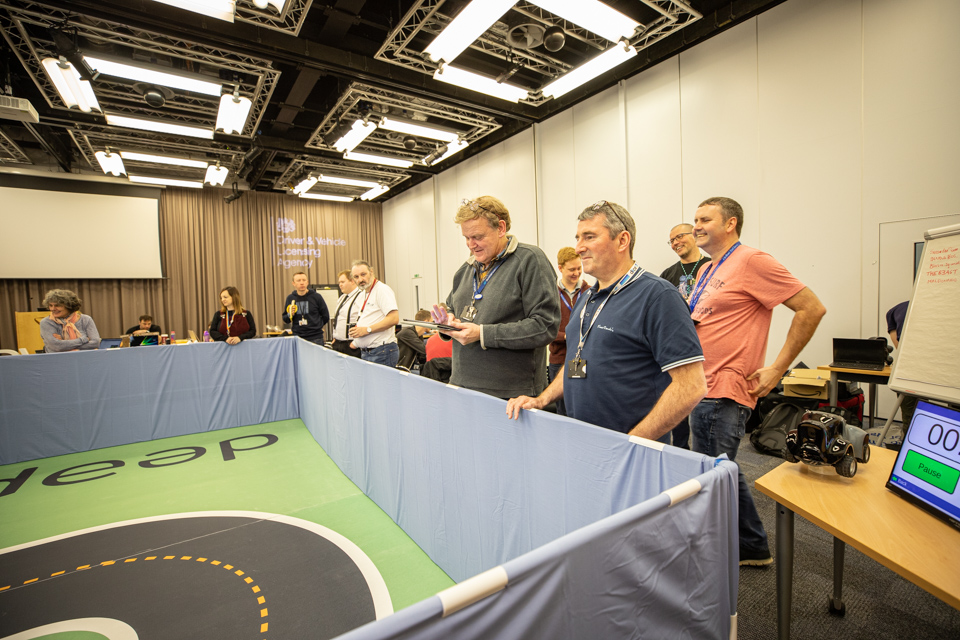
350	326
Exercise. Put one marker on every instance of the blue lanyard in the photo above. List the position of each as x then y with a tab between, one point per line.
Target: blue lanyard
477	287
574	297
634	273
702	283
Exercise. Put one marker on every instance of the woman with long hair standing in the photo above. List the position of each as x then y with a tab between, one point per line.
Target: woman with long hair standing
232	323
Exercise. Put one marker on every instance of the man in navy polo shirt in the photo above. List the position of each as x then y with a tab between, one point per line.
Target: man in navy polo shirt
634	362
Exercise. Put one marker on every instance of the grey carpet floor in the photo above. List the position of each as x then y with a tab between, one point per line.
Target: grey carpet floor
879	603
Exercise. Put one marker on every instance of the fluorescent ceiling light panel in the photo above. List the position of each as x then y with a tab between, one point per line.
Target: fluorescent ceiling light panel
327	196
159	126
193	184
476	17
481	84
177	162
417	129
276	4
233	113
348	181
74	91
219	9
374	159
592	15
378	190
305	185
452	148
138	73
216	175
110	163
599	65
357	134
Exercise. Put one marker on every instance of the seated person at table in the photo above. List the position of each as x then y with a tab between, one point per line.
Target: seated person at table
66	329
410	340
138	333
437	347
232	323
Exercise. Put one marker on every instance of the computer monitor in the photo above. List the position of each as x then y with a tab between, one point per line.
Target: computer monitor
927	470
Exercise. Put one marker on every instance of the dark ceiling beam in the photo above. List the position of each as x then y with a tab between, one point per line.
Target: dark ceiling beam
289	49
340	17
49	141
306	80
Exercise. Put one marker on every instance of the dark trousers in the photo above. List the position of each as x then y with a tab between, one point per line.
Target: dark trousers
343	346
552	371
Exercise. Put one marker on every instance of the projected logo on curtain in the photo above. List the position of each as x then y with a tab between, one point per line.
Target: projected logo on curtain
299	251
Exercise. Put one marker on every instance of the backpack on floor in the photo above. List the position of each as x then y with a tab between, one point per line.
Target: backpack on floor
771	436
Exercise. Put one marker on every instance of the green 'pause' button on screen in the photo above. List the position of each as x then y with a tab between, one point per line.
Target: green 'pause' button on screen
932	472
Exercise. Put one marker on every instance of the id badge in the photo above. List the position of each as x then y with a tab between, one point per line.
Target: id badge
303	322
577	369
469	314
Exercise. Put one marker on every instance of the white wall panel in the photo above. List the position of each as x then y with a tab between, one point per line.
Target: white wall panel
809	149
654	177
557	172
410	248
718	101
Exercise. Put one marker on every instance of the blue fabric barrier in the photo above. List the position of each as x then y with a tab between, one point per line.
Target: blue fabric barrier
476	490
57	403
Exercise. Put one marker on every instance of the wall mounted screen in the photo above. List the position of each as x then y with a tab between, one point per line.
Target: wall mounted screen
60	234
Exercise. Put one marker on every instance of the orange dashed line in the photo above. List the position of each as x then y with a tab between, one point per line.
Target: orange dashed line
83	568
169	557
107	563
248	579
261	600
58	573
263	613
4	588
31	580
255	589
228	567
130	560
201	559
238	572
186	557
263	627
151	558
214	562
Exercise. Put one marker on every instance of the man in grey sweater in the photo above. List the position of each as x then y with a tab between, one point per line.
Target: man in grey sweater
504	306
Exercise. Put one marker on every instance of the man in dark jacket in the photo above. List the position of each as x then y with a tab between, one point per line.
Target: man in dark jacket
305	310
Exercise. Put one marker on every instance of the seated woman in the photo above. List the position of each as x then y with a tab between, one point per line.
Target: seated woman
232	323
66	329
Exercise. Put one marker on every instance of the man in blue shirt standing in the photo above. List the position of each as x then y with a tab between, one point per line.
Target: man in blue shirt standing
633	362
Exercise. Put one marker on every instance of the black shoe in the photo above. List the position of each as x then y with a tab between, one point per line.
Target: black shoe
755	558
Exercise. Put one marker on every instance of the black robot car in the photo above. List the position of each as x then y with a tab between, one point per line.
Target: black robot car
821	439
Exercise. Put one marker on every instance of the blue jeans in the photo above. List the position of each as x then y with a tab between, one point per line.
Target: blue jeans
552	371
717	425
386	354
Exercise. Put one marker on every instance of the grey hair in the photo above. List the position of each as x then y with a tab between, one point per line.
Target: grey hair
357	263
64	298
618	222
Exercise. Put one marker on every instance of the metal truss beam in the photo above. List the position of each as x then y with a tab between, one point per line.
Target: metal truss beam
11	152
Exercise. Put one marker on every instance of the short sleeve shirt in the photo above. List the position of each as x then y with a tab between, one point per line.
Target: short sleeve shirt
733	319
641	333
374	308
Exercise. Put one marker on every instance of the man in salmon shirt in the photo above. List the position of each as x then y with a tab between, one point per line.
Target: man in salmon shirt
732	304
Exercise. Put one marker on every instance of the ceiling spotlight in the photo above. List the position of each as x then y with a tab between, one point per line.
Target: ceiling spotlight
409	143
153	95
234	195
553	39
445	152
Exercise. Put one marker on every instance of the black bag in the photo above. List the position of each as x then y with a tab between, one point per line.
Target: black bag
771	436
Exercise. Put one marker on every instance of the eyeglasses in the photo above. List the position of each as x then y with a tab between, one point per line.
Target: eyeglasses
677	237
473	205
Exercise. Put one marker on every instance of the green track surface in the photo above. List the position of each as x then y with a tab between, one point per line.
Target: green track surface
293	477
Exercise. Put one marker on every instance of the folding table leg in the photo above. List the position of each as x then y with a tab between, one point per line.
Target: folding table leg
836	602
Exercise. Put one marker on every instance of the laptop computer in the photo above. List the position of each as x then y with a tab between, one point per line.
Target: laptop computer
859	353
145	339
110	343
927	470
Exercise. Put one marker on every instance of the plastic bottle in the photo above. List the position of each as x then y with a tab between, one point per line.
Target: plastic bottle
206	336
173	337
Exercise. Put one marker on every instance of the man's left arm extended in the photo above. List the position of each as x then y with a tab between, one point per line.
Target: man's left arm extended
807	312
688	386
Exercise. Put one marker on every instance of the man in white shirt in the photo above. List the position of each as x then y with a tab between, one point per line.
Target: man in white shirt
374	332
346	314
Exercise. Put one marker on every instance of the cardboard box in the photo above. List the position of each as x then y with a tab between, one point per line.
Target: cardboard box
806	383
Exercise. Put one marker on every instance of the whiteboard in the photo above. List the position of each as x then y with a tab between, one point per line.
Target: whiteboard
928	363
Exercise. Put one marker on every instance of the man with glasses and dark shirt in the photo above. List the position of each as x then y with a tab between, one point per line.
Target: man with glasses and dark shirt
144	333
634	363
682	275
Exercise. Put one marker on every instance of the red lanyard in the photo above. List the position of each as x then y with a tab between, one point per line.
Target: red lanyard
368	295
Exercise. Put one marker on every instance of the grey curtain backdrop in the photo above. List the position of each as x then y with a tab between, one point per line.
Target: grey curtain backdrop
205	245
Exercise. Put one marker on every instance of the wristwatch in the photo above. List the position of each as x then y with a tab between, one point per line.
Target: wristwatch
369	329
